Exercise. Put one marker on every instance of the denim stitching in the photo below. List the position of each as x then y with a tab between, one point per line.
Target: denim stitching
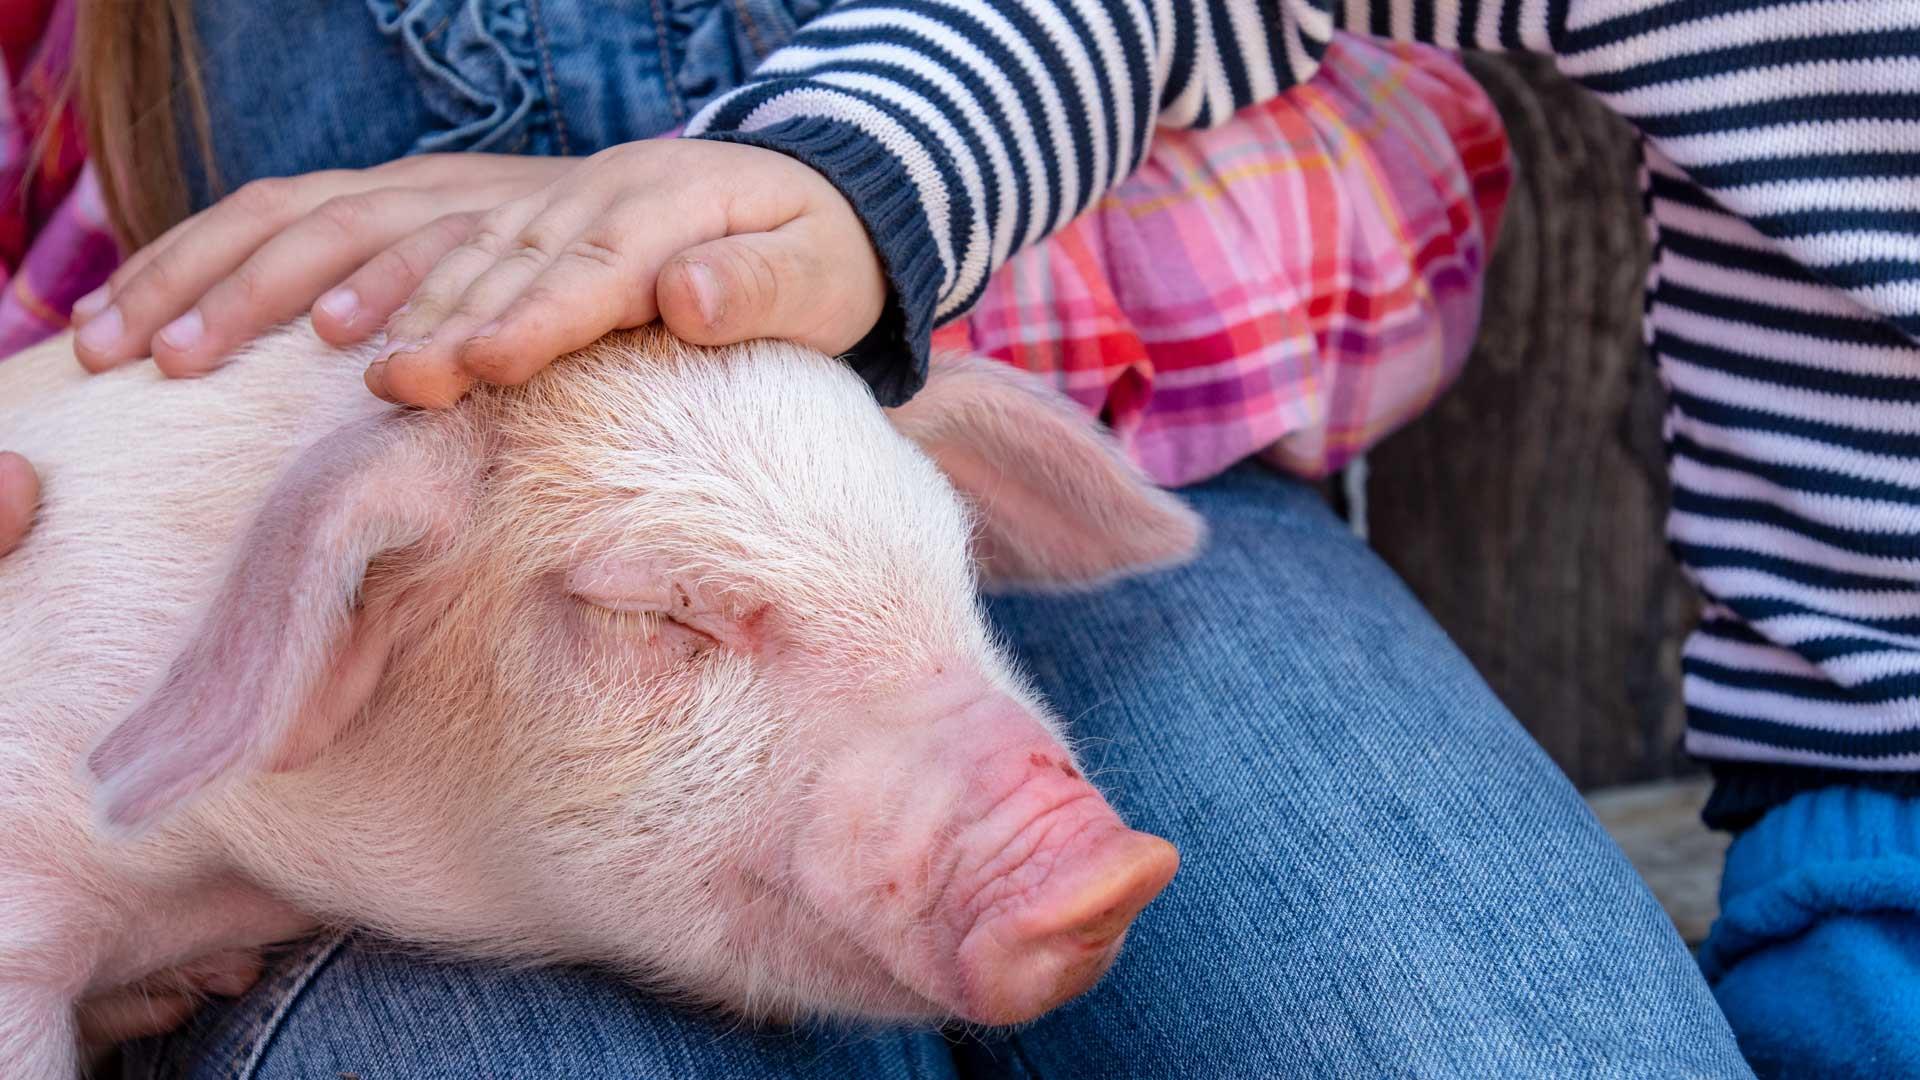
753	32
1019	1054
265	1026
546	73
666	64
248	1032
427	38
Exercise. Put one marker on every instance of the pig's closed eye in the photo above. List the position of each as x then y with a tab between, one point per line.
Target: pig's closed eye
647	626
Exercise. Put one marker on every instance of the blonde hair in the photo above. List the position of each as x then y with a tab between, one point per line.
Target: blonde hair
135	63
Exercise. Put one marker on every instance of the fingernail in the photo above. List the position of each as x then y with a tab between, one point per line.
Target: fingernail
103	331
184	332
339	304
376	380
89	305
706	292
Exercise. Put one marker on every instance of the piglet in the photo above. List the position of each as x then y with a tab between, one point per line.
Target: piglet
670	660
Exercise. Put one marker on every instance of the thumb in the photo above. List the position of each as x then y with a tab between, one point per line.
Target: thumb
778	284
19	494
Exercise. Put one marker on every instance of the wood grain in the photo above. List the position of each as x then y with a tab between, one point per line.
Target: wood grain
1525	510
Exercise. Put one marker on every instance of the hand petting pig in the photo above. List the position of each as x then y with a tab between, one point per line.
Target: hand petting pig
484	268
671	660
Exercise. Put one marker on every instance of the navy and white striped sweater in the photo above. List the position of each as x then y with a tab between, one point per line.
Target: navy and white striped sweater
1782	150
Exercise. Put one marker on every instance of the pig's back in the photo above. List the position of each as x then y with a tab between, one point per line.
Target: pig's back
145	483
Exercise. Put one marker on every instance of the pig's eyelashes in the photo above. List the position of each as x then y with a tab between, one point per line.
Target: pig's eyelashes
649	625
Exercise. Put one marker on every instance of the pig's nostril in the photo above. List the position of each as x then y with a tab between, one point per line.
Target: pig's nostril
1055	948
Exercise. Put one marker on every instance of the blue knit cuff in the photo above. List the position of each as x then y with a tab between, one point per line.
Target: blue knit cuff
1839	850
1743	791
892	358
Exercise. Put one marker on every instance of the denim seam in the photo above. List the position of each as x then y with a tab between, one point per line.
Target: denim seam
1019	1054
546	76
753	31
245	1063
667	79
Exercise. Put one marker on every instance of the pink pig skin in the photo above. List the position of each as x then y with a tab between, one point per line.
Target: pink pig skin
670	661
974	847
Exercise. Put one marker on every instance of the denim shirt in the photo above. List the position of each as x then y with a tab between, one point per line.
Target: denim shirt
295	86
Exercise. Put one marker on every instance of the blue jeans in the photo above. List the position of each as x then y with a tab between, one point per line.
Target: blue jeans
1381	875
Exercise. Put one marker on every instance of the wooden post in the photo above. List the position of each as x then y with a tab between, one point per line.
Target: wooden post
1525	511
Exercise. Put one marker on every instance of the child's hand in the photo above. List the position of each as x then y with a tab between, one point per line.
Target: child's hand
503	263
268	251
722	242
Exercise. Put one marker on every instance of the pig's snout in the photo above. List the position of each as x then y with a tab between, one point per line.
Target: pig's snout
990	875
1044	914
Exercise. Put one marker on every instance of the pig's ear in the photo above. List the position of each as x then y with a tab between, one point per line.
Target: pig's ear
281	659
1060	505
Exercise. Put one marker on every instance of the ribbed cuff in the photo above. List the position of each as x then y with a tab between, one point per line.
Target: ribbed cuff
1744	791
1840	850
892	358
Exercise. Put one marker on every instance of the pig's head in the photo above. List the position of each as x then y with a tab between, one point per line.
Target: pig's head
676	659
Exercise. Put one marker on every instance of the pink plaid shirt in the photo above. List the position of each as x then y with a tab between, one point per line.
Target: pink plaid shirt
1298	282
55	244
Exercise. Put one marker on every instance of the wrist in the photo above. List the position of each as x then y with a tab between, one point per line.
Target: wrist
892	355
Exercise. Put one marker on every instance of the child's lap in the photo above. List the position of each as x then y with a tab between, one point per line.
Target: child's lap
1381	872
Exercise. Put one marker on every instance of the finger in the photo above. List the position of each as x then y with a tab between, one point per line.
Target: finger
365	301
284	276
423	364
788	283
599	284
132	1013
406	370
200	255
94	302
19	495
491	294
496	237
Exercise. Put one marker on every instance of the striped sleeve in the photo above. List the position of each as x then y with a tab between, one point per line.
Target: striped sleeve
964	130
1782	168
1799	118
